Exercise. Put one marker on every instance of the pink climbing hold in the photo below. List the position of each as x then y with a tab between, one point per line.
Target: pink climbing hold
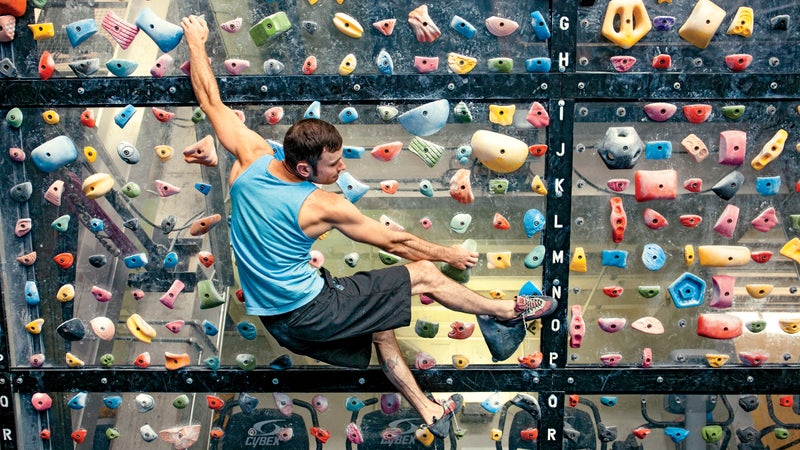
765	221
16	154
162	115
622	63
618	218
618	184
201	152
165	189
425	222
719	326
460	187
654	220
610	359
100	294
317	258
425	299
656	185
612	324
168	299
738	62
159	68
175	326
660	112
385	26
723	291
236	66
726	224
137	294
690	220
426	64
310	65
274	115
577	328
537	116
500	26
120	30
22	227
732	147
424	28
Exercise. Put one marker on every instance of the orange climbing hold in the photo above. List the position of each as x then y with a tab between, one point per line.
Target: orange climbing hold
175	361
460	187
215	402
537	149
500	222
64	260
201	152
697	113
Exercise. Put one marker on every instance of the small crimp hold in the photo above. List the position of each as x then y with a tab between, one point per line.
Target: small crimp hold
697	113
622	63
175	361
538	65
461	64
426	64
501	26
695	147
159	68
738	62
165	189
661	61
463	27
648	325
27	259
385	26
664	23
658	150
23	227
578	261
231	26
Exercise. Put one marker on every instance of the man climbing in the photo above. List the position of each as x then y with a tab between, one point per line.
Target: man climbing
278	213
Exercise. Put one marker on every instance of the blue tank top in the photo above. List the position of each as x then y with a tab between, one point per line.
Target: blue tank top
272	252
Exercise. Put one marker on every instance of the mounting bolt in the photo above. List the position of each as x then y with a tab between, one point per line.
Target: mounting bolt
275	381
172	90
2	381
773	85
570	380
750	379
81	90
556	282
19	380
676	86
581	85
544	86
264	88
361	381
104	380
451	86
660	380
189	380
356	87
449	381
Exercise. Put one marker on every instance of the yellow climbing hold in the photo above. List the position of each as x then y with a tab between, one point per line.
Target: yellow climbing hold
578	263
348	25
631	18
502	114
34	326
770	151
537	186
716	360
688	254
758	290
461	64
742	23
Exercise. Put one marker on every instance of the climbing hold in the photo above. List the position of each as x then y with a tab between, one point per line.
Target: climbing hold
675	433
789	326
625	22
578	262
618	219
120	30
426	64
732	147
460	187
664	23
351	152
500	26
121	67
201	152
164	152
142	361
770	151
385	26
726	224
615	258
499	152
426	119
761	257
27	259
653	257
781	433
348	64
460	222
461	64
577	327
687	290
618	184
42	31
269	27
728	185
100	294
352	189
273	67
426	329
500	222
232	26
427	151
753	359
23	226
387	152
733	112
535	257
611	325
85	67
140	329
51	117
758	290
244	361
723	255
97	185
498	186
658	150
620	148
780	22
742	23
539	24
531	361
31	293
236	66
538	116
73	361
166	35
533	222
690	220
538	65
71	330
704	20
16	154
159	68
462	27
722	291
613	291
162	115
498	260
313	111
767	186
384	63
695	147
622	63
719	326
424	27
348	25
64	260
502	115
610	359
791	250
654	220
424	361
54	154
79	435
661	61
656	184
766	220
738	62
697	113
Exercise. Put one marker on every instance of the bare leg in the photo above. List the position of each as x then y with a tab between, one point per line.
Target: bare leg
426	278
397	371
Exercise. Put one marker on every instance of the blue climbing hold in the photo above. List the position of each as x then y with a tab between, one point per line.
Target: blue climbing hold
54	154
171	260
212	362
122	117
136	261
608	401
384	63
121	67
204	188
31	293
676	434
535	257
352	189
96	225
615	258
426	119
313	111
80	30
351	152
353	404
533	222
209	328
540	28
687	290
462	27
348	115
277	147
658	150
247	330
768	185
538	65
112	401
653	257
78	401
166	35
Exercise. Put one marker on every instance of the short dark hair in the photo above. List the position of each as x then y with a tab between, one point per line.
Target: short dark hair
306	139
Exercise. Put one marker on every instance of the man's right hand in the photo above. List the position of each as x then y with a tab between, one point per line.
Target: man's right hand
461	258
195	30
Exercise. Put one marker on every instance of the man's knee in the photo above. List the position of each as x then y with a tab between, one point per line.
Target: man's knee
423	272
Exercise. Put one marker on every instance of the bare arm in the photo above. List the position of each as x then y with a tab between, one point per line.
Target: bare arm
331	210
245	144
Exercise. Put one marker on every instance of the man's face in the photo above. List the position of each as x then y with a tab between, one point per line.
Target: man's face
328	168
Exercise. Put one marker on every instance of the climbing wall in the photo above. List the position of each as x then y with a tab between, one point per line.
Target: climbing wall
634	159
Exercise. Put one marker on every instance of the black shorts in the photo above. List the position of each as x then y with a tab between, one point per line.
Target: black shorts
337	326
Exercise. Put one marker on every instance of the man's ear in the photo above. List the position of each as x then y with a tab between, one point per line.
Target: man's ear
304	169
